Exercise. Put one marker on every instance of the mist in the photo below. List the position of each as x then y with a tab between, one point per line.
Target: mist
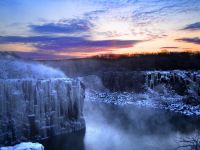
125	127
13	68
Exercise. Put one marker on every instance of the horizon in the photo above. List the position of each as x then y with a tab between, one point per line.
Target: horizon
108	56
25	56
99	27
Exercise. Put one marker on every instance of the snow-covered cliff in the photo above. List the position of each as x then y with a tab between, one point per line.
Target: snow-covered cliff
179	81
37	101
176	90
31	108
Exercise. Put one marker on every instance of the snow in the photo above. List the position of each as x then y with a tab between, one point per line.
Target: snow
25	146
161	91
148	100
39	108
37	101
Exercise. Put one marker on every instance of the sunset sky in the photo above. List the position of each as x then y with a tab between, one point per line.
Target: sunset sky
55	29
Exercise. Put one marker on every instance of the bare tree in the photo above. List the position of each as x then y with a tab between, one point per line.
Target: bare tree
190	143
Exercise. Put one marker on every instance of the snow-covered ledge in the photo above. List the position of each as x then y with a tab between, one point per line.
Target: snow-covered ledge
25	146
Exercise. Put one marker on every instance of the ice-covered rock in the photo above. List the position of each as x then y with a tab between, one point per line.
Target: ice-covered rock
175	90
182	82
25	146
37	101
33	108
177	81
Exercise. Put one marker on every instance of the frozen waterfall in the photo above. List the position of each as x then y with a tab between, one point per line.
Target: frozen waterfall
37	101
37	109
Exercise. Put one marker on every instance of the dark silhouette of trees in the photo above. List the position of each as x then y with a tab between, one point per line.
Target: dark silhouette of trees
190	143
97	65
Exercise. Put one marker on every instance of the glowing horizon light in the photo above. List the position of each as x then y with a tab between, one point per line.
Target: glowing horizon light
98	27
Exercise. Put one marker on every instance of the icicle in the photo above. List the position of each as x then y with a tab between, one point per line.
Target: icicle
40	105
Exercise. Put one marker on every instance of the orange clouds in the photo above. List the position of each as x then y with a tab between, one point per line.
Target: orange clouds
17	47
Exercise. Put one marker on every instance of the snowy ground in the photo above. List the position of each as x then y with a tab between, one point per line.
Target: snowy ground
150	99
25	146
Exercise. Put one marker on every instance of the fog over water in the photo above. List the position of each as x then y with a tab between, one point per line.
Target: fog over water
127	127
124	127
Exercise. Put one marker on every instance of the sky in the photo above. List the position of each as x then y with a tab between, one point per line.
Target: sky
57	29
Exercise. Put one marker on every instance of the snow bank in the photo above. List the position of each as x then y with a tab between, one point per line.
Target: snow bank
25	146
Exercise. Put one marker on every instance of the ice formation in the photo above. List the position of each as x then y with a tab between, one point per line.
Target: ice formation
37	102
25	146
181	82
32	108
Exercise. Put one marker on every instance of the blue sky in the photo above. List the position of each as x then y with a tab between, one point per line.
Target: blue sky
81	28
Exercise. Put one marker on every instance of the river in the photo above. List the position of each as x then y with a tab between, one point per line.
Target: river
113	127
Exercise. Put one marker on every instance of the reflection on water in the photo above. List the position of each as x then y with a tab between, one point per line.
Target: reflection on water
73	141
126	127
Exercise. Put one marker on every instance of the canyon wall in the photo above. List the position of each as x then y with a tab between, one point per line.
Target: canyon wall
180	82
37	109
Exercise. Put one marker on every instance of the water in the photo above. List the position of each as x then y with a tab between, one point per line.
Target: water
126	127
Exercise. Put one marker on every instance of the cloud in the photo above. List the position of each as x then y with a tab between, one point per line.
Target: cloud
157	10
18	47
40	55
67	43
169	47
94	14
193	27
64	26
195	40
109	4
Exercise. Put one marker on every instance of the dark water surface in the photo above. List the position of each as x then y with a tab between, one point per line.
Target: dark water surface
110	127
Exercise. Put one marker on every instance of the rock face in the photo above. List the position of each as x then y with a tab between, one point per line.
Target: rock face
181	82
124	81
39	108
177	90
